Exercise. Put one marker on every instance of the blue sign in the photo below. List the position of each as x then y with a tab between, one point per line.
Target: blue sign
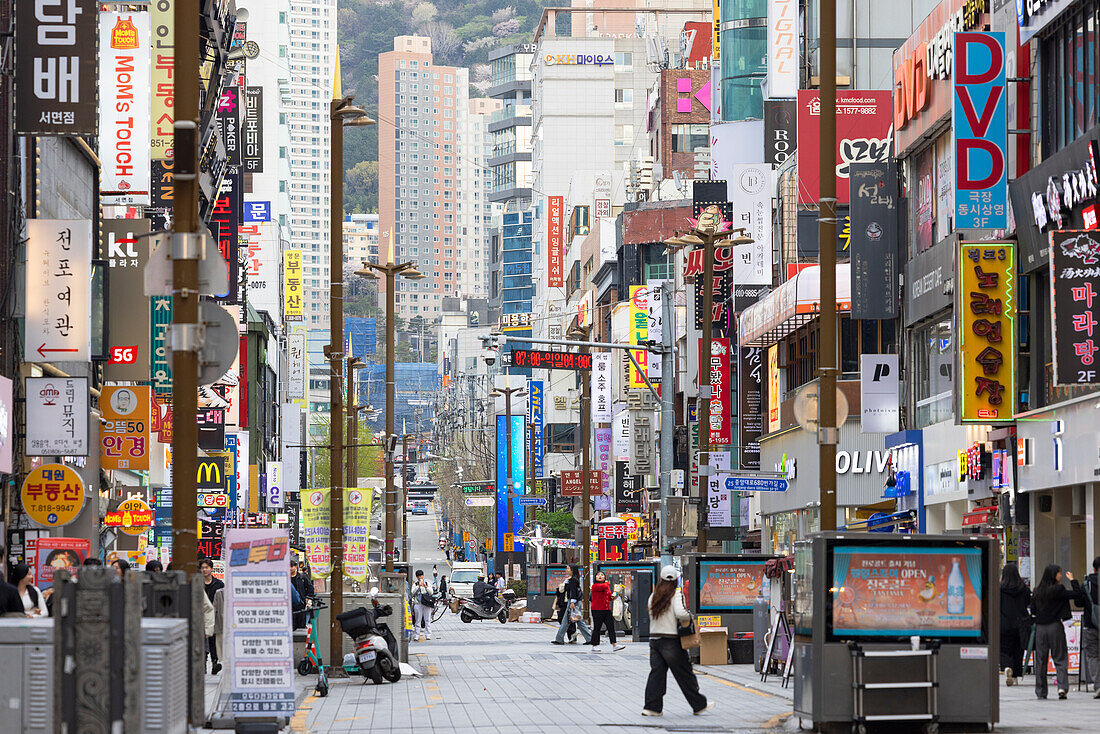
231	446
535	414
979	114
526	501
755	484
519	478
257	211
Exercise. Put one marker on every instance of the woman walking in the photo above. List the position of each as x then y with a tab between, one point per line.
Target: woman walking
1015	622
600	600
1050	605
666	613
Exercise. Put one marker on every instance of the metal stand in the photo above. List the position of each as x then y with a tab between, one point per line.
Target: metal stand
930	683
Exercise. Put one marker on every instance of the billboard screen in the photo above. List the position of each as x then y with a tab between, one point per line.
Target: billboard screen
728	586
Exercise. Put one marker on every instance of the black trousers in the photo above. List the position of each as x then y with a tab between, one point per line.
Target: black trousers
602	618
212	649
1013	642
665	654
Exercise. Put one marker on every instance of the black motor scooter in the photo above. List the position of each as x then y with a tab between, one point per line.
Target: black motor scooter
375	654
495	608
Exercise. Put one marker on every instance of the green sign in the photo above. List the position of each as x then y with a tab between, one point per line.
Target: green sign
486	487
161	356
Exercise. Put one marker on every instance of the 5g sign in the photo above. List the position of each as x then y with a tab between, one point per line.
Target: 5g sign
275	484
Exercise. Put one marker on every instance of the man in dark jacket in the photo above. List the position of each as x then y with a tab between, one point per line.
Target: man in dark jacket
483	591
1090	635
304	587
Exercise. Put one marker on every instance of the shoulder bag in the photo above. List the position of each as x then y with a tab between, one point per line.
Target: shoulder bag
689	635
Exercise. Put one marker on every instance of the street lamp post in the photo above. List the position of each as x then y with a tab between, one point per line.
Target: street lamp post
508	556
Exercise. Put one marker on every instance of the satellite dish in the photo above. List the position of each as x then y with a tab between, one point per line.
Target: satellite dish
806	407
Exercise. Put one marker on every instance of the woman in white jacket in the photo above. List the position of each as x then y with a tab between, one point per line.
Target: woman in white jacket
666	614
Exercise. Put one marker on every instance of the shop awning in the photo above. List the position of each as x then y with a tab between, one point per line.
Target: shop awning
791	305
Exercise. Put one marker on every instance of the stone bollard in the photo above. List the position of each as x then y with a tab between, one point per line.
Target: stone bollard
169	595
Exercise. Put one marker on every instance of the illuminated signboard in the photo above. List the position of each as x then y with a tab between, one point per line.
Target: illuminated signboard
551	360
987	275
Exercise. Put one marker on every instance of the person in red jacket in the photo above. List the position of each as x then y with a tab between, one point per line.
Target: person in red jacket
600	599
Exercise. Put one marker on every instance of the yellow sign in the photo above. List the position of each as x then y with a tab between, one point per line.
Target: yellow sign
315	530
639	330
357	510
134	511
465	536
293	300
716	42
709	620
509	543
53	495
773	388
161	109
987	333
124	430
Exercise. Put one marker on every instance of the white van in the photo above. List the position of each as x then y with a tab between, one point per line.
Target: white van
463	576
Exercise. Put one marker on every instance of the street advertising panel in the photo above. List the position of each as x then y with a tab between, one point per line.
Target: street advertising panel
554	241
315	530
750	190
980	129
783	57
750	376
879	396
357	509
52	495
126	253
257	630
721	402
601	387
728	586
57	416
7	424
1074	279
52	554
864	123
655	325
987	332
125	100
55	67
604	461
293	301
124	430
519	478
887	591
162	110
59	293
874	243
639	327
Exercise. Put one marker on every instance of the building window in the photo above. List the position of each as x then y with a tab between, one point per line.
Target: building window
561	438
624	134
624	97
933	350
624	59
1068	60
689	138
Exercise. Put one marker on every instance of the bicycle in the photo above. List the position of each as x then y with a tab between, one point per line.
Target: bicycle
441	603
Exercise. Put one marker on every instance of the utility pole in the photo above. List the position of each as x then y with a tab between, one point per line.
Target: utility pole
668	386
586	467
827	429
507	556
405	498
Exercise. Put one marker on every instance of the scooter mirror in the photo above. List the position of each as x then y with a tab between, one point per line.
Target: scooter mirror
374	592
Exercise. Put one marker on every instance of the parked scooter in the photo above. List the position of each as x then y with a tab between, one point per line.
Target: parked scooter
375	655
495	608
312	662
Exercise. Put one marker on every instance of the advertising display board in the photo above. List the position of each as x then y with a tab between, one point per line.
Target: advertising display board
987	333
864	130
728	586
53	554
57	416
980	129
519	477
1074	287
52	495
125	101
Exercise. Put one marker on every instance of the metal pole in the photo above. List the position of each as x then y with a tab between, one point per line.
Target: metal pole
586	465
827	433
391	490
405	499
703	404
668	386
336	400
185	286
351	470
506	555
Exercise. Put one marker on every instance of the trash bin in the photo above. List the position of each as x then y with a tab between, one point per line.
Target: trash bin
712	646
761	623
741	646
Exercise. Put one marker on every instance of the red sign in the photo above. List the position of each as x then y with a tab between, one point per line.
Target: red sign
554	243
863	123
721	406
695	43
128	519
573	486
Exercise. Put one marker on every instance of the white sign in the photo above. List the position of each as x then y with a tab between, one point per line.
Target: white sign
296	365
750	190
782	48
7	425
656	326
124	103
719	504
292	441
601	387
275	493
57	416
878	393
57	327
862	462
479	501
620	434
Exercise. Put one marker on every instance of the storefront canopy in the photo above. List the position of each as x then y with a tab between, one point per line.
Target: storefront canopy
791	305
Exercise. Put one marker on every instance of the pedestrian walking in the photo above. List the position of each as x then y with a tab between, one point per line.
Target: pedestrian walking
10	604
211	586
1090	626
423	603
443	587
219	621
667	613
1050	605
1015	622
33	603
154	566
574	595
500	582
600	598
562	607
304	586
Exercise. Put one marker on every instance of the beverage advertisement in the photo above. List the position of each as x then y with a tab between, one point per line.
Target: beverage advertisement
887	591
728	585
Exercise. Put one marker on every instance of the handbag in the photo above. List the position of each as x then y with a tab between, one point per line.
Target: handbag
689	636
575	614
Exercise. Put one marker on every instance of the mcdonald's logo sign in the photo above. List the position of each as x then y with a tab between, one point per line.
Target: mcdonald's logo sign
211	473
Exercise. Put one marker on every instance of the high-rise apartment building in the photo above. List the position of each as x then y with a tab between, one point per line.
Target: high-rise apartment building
475	208
360	240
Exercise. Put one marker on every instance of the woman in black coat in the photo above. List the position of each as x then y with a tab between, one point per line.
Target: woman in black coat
1015	622
1050	605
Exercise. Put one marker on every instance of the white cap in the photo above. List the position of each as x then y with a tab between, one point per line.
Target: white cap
669	573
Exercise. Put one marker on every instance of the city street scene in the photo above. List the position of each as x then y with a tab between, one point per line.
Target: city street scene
550	365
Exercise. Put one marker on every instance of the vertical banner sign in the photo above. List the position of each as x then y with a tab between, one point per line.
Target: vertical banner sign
864	130
750	190
124	432
224	226
721	404
536	413
55	67
719	501
315	530
621	436
642	459
274	492
604	461
257	630
716	41
229	119
639	326
782	48
59	294
296	365
773	388
519	480
162	115
57	416
244	477
980	129
874	248
252	133
601	387
655	326
128	357
555	241
1074	286
987	333
357	509
628	489
160	320
124	107
779	130
292	286
750	373
880	410
7	424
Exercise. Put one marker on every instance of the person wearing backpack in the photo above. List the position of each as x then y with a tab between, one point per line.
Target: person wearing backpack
33	603
1090	621
423	603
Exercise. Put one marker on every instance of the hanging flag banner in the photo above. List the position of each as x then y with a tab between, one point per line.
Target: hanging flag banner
357	510
639	327
987	333
980	131
601	387
880	409
59	295
721	406
55	67
57	416
124	108
162	115
536	416
1074	279
315	530
654	326
555	241
292	286
124	431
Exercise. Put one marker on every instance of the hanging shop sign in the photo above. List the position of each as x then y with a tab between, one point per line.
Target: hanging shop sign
55	67
52	495
628	489
572	482
621	433
224	226
536	410
133	517
987	334
780	137
980	130
721	405
874	244
125	98
601	387
604	460
57	416
124	430
296	365
292	286
554	241
643	458
1074	305
750	375
655	325
160	367
639	326
750	191
880	408
273	487
162	109
7	424
126	253
773	388
252	130
783	66
864	123
59	295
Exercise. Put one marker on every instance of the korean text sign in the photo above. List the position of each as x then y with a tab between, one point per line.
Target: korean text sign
57	416
729	585
864	120
554	240
980	131
315	530
536	411
257	627
59	294
889	591
292	285
721	405
1075	289
124	434
639	328
52	495
125	99
987	334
